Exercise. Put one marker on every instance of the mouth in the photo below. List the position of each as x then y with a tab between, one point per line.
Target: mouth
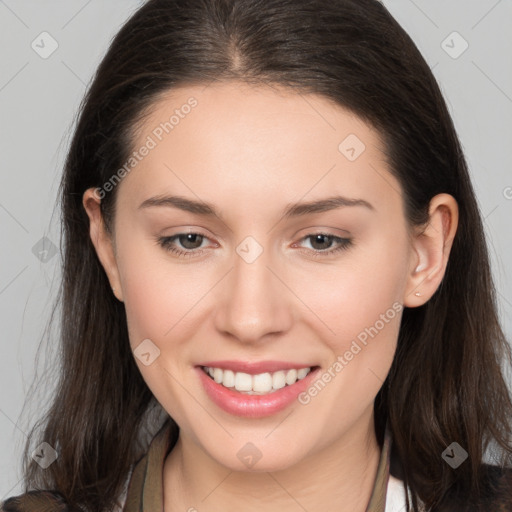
247	390
256	384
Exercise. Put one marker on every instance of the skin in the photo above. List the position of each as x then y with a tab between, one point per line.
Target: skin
251	151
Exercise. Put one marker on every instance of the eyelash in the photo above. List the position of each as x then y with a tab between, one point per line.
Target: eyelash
166	244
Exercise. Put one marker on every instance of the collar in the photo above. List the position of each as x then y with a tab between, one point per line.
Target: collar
145	488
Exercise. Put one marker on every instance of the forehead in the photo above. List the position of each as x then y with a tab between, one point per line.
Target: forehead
239	141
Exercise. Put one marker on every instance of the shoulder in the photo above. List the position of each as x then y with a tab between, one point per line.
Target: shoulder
36	501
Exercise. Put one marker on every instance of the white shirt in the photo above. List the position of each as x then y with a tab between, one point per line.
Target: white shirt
395	496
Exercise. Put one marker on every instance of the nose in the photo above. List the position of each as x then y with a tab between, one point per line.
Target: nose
253	304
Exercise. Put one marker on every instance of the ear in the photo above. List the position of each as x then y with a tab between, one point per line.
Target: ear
431	249
102	241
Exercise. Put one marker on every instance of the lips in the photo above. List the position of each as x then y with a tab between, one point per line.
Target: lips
254	405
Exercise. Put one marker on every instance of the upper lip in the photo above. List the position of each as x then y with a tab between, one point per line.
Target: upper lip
254	368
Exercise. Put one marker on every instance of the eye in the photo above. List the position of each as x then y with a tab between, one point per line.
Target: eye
324	244
183	244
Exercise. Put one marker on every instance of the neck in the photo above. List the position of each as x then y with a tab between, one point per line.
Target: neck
340	477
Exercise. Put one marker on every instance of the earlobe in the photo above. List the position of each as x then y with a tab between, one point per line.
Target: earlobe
431	249
102	241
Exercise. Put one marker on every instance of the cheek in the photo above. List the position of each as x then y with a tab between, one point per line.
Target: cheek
360	301
359	297
159	300
362	306
157	294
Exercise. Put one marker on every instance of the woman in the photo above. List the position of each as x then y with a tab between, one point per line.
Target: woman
275	271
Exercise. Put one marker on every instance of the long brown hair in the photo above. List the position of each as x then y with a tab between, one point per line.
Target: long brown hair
446	382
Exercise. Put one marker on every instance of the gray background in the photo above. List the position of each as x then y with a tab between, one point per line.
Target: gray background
39	98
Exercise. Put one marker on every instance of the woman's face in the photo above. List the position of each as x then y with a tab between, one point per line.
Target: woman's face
298	256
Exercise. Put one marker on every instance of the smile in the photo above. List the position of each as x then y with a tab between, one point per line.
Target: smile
259	384
254	392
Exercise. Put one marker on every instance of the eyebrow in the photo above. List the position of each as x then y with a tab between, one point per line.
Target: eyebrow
291	210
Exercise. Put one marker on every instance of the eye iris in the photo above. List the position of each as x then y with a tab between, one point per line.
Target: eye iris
191	240
321	239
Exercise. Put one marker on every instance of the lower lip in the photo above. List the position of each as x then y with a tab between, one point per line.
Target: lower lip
254	406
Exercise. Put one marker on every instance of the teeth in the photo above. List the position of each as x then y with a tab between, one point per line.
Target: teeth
279	380
228	378
262	383
302	373
256	384
243	382
291	377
